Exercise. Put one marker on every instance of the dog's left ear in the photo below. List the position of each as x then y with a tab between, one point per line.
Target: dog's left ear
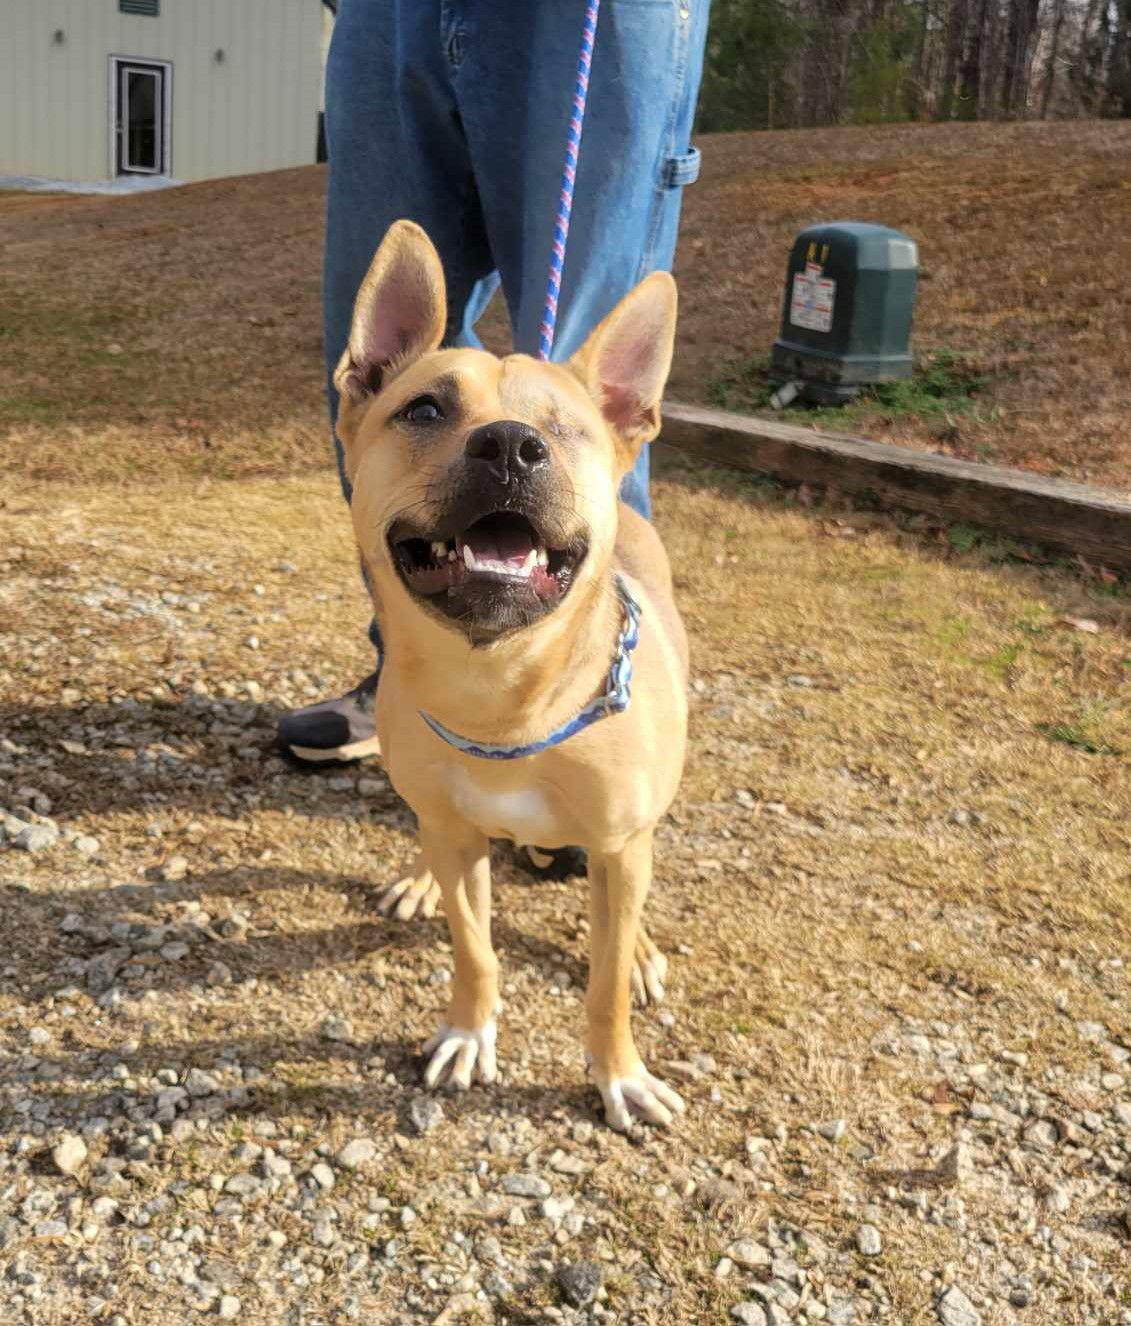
399	313
625	362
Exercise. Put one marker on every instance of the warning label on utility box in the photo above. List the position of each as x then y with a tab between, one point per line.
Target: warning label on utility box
811	304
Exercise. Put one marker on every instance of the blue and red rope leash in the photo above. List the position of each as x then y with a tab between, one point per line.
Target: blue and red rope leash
569	176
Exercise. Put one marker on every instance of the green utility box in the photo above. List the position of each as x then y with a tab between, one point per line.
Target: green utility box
846	316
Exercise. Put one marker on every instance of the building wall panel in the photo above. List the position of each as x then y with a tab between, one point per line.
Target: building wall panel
255	110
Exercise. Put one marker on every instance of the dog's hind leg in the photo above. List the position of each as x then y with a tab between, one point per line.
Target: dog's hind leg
649	971
464	1046
416	894
617	888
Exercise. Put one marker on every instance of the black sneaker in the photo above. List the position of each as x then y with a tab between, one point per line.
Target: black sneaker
553	862
335	730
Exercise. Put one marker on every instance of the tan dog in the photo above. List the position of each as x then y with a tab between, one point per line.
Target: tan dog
501	566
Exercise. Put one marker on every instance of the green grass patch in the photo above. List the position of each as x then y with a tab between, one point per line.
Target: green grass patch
1076	736
945	383
1085	731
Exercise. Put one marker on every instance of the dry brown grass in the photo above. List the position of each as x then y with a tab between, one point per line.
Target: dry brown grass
844	907
211	292
1024	233
856	683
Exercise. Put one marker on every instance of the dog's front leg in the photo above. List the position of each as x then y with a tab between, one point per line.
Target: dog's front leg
464	1047
618	885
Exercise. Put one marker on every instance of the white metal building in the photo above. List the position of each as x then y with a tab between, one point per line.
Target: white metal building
191	89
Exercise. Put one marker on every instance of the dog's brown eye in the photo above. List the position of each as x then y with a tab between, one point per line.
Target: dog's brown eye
422	410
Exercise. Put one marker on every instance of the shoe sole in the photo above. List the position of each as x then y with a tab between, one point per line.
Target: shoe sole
356	750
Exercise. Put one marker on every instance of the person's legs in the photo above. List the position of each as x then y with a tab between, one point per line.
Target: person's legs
514	86
456	117
396	149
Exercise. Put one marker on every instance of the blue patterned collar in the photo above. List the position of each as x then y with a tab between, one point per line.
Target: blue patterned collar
615	699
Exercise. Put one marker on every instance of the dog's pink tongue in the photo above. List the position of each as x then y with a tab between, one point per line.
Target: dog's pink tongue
509	546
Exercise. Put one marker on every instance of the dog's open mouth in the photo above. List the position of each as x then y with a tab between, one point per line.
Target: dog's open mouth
504	549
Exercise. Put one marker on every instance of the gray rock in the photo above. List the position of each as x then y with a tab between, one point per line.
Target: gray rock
556	1208
1041	1135
69	1154
357	1153
489	1249
525	1185
234	926
580	1282
200	1083
322	1175
1059	1198
86	845
101	970
336	1028
275	1166
243	1185
425	1113
749	1254
868	1241
749	1314
229	1308
832	1130
36	838
955	1309
497	1286
170	1098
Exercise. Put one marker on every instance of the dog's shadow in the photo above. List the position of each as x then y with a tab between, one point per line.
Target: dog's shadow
193	753
293	1073
119	758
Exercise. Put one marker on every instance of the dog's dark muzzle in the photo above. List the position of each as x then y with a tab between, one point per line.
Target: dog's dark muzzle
511	453
503	545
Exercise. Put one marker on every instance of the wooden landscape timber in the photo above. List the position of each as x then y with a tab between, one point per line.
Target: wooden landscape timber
1055	512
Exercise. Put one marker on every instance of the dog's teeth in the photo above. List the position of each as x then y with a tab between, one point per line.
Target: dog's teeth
439	550
468	557
528	565
451	554
543	557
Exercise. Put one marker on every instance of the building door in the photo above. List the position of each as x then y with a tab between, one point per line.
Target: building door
141	116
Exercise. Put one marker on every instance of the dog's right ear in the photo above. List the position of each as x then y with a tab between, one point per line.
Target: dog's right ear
399	314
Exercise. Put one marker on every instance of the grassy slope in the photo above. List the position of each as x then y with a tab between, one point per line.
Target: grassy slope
190	318
856	695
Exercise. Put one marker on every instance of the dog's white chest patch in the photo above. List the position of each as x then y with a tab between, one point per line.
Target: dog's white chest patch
523	815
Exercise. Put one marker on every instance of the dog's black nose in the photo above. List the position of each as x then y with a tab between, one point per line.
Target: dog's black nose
510	450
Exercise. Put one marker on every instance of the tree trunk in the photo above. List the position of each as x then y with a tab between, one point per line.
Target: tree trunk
1119	67
1054	49
955	34
972	76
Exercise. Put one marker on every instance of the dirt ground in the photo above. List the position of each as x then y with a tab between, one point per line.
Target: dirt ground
894	890
192	314
895	887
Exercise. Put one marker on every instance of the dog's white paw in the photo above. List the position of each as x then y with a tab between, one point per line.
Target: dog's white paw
417	894
637	1095
459	1055
649	972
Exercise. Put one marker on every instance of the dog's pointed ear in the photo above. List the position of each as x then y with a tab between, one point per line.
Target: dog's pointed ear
625	362
399	313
